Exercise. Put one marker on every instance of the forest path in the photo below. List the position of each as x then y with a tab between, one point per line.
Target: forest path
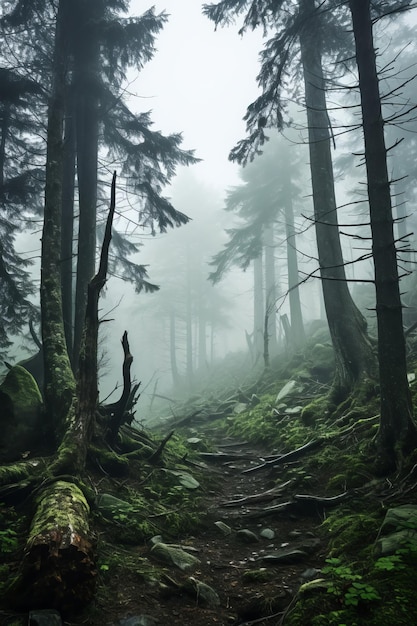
253	562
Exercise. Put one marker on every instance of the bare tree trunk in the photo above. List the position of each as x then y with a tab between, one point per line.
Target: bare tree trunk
67	233
297	325
172	349
270	289
189	327
60	389
348	329
87	72
258	308
397	432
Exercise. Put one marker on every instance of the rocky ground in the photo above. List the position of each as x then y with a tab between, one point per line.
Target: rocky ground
249	562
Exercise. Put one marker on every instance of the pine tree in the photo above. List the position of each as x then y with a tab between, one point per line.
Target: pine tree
20	186
291	26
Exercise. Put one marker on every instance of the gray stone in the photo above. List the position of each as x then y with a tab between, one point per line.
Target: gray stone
247	536
400	517
20	417
175	556
285	556
267	533
239	408
398	529
395	541
286	390
224	528
204	593
310	573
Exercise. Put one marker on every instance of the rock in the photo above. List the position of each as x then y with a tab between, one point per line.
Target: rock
20	423
184	478
247	536
239	408
194	442
204	593
322	358
260	575
174	556
309	544
287	389
267	533
224	528
285	556
310	573
398	528
395	541
156	539
400	517
46	617
112	507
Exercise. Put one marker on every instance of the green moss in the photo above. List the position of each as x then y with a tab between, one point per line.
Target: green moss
60	505
108	460
318	409
260	575
351	532
22	388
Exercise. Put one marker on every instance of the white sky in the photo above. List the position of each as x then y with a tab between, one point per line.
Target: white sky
199	83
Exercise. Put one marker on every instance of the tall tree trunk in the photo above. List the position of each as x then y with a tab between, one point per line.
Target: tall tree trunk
397	431
5	122
189	326
353	351
297	325
258	307
202	342
270	289
59	542
60	391
172	349
87	72
67	232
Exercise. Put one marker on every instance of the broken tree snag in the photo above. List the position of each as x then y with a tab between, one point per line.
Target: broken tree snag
119	410
88	375
58	569
155	458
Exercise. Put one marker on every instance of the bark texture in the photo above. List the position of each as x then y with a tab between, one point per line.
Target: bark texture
87	72
353	351
59	569
397	432
60	388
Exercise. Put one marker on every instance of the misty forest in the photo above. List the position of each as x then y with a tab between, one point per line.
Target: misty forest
208	389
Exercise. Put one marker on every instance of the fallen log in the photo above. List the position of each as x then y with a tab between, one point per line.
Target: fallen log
58	569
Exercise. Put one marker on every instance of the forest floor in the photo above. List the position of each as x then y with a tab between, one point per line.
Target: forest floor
259	528
252	576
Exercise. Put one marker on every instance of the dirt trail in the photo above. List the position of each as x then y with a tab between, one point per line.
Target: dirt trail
236	561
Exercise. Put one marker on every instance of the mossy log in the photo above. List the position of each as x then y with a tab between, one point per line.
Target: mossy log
58	569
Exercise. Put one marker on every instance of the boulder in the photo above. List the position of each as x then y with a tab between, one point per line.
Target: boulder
20	414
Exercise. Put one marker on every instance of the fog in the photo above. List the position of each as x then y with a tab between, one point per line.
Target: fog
199	83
